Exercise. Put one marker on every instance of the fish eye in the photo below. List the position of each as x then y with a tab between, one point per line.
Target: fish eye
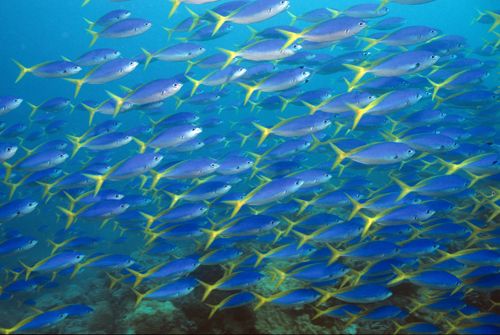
156	158
410	151
79	257
213	165
297	182
9	149
361	23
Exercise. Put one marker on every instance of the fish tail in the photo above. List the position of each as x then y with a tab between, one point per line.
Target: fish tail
253	33
293	18
212	235
249	91
265	132
175	5
261	301
76	269
496	18
220	20
312	108
196	83
28	269
178	102
281	277
356	206
214	309
303	238
290	225
75	140
318	311
334	12
208	289
71	216
291	37
438	86
405	188
139	277
90	23
113	280
237	206
99	181
371	42
341	155
46	187
34	109
189	66
195	16
149	57
244	138
231	55
55	246
95	36
286	102
22	70
138	296
369	221
359	73
169	31
335	254
118	102
175	198
91	110
303	205
359	112
78	84
479	16
260	258
400	276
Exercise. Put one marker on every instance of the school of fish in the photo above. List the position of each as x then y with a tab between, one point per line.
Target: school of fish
346	161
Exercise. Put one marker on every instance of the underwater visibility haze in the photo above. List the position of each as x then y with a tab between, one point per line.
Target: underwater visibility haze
249	166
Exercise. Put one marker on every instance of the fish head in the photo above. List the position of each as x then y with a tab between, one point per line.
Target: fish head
172	89
278	6
27	207
130	66
7	151
10	104
70	69
240	71
143	27
355	27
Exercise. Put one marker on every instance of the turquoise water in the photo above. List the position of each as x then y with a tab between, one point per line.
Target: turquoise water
325	242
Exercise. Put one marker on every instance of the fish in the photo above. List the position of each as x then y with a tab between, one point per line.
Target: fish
278	159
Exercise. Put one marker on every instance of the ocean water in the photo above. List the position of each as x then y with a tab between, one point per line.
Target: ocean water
280	214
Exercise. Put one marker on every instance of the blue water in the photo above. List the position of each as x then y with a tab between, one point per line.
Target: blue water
38	31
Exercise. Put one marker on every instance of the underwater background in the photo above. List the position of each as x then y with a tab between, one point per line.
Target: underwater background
222	211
